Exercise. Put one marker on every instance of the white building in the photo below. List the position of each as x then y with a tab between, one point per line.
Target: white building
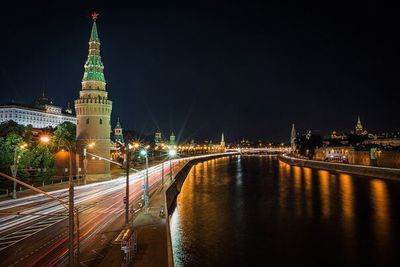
41	114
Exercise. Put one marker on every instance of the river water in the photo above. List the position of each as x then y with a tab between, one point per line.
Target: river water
258	211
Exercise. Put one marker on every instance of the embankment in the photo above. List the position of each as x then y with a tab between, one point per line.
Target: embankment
376	172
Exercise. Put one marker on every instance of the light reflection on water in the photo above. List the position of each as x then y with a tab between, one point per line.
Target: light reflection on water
258	211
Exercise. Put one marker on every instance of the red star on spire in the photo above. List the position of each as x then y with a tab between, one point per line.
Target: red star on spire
95	15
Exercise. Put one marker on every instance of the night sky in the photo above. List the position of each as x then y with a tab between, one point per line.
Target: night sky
199	68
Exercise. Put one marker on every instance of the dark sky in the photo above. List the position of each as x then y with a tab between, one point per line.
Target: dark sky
199	68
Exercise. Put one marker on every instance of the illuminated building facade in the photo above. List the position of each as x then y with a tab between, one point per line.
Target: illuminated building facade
93	112
42	114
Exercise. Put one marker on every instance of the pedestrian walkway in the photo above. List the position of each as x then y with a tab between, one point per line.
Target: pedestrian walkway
152	234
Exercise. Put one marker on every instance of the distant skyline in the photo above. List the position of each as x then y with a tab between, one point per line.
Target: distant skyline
198	69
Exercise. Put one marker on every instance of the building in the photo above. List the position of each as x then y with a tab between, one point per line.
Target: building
93	112
118	135
384	142
359	130
41	114
293	138
172	140
342	154
158	138
222	144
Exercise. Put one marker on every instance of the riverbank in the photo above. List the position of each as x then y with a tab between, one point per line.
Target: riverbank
376	172
154	247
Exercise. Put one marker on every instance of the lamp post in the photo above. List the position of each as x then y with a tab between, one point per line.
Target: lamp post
172	153
71	210
126	198
143	152
85	162
14	168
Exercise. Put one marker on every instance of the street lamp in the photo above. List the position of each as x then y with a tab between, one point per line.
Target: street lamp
172	153
126	198
143	153
90	145
14	167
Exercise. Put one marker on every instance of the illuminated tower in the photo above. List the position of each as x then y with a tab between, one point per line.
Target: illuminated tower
222	144
158	138
119	137
93	111
293	138
359	127
172	141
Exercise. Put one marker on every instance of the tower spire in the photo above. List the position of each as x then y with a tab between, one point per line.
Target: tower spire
293	138
93	77
359	128
222	144
93	111
94	35
118	124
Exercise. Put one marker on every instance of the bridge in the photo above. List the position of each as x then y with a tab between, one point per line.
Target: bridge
261	150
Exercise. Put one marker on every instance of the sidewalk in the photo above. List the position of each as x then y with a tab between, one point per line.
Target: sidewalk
152	235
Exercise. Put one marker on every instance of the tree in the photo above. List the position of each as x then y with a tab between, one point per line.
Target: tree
10	148
65	136
11	127
43	159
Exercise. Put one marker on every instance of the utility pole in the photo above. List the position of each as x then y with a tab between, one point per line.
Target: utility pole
71	211
84	165
127	157
143	153
162	173
170	169
146	198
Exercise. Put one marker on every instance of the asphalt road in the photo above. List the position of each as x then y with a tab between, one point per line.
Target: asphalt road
38	235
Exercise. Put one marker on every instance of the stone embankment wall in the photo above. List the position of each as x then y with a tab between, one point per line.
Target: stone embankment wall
376	172
175	188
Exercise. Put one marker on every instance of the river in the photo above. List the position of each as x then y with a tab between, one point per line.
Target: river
258	211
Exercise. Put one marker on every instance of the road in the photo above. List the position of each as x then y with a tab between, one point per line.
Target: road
38	235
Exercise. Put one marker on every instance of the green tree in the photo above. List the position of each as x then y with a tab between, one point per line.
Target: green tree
65	136
43	159
10	148
11	127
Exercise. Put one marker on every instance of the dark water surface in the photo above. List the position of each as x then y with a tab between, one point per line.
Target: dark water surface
257	211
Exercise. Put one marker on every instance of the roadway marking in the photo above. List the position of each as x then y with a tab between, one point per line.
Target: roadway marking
17	236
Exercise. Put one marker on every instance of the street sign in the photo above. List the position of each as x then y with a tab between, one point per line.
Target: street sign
124	200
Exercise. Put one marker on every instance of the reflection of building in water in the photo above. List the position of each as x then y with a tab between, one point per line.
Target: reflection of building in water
324	192
308	189
346	187
380	204
335	154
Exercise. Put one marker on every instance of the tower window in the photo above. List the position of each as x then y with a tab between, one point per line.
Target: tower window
87	120
101	121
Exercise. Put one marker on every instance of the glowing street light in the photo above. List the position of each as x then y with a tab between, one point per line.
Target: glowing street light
172	153
85	162
143	153
44	139
14	167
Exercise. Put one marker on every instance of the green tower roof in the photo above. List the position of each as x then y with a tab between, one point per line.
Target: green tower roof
94	66
94	37
118	126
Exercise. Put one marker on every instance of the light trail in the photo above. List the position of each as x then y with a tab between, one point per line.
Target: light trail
102	202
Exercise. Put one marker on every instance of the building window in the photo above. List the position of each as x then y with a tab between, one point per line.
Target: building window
101	121
87	120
